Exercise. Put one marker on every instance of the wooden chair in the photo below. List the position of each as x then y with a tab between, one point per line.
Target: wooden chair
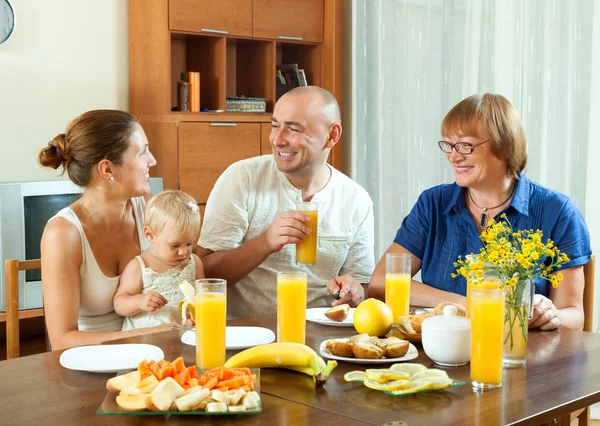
589	273
11	274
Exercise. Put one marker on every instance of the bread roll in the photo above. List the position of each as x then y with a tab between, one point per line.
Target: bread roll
439	309
338	313
412	323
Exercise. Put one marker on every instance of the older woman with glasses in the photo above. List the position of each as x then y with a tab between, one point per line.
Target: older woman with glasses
484	142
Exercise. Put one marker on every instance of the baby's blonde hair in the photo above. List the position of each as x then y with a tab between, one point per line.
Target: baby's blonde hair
175	208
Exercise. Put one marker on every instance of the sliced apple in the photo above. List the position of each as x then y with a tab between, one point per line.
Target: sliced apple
132	402
148	384
118	383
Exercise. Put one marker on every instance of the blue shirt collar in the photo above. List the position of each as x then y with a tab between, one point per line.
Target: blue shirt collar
520	201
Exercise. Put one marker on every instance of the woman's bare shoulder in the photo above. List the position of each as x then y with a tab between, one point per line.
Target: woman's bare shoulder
60	233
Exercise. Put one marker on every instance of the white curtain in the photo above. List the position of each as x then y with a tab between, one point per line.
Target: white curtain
412	60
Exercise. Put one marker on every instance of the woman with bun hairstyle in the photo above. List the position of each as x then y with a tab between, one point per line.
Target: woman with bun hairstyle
86	246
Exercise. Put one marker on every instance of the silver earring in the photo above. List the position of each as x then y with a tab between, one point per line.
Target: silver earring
112	178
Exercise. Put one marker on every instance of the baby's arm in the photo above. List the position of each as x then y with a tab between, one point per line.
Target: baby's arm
199	267
128	301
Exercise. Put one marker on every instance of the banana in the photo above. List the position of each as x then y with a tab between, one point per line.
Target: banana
186	305
293	356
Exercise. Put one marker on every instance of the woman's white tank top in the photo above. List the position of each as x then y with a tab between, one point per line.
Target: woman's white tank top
96	309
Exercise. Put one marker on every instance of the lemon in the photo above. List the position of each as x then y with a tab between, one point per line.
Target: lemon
408	368
386	374
355	376
414	387
373	317
429	374
441	382
394	385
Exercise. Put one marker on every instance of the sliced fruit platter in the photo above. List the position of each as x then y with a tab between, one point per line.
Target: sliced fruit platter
403	379
172	388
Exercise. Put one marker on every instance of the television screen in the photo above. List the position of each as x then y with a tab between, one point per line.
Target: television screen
38	210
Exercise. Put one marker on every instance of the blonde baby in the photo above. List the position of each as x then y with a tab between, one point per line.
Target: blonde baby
149	292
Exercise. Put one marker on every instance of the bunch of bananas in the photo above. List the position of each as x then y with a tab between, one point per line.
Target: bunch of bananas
293	356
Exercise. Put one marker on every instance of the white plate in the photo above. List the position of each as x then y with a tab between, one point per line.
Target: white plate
411	354
237	337
318	315
109	358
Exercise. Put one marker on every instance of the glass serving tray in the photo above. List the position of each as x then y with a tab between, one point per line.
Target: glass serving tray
453	385
109	406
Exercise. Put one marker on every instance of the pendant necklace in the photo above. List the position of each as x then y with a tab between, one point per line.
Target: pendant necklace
483	219
110	245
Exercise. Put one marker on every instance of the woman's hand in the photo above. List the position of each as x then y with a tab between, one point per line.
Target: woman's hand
545	315
152	301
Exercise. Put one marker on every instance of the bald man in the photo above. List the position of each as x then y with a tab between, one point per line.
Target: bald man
251	227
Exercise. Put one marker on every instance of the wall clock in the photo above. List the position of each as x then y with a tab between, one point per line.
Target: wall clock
7	20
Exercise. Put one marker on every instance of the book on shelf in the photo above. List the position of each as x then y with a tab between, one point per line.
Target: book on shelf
302	76
288	76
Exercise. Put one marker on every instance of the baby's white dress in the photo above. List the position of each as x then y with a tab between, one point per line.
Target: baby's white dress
166	284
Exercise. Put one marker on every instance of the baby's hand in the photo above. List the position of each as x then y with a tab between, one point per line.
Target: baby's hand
152	301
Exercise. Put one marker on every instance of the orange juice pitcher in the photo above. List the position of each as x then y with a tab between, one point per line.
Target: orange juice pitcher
306	251
211	318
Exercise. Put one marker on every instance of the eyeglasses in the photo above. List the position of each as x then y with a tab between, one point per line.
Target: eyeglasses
464	148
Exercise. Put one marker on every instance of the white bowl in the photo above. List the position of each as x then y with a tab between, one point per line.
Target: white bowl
446	338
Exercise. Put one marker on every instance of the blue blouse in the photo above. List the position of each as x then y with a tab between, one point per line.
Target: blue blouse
439	228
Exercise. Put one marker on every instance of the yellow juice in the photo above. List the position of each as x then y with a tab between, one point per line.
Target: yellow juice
306	251
487	338
211	318
397	294
488	282
515	344
291	308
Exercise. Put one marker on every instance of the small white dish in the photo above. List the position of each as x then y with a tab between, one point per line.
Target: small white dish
237	337
411	354
109	358
318	315
446	338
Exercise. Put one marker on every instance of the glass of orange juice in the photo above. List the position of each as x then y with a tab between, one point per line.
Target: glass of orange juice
306	251
489	280
487	337
291	306
397	283
211	318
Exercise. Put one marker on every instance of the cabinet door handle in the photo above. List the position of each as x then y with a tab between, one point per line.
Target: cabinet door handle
209	30
290	38
223	124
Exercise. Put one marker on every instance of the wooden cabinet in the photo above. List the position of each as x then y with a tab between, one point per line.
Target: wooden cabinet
231	17
168	37
207	149
265	145
288	20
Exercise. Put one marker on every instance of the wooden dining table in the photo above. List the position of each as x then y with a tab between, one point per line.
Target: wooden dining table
562	375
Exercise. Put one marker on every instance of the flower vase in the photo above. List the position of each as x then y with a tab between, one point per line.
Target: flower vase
519	297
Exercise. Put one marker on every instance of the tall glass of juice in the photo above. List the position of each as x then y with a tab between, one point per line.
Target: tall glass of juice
487	337
306	251
397	283
211	318
291	306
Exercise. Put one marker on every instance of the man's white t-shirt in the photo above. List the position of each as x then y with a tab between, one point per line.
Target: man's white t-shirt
245	201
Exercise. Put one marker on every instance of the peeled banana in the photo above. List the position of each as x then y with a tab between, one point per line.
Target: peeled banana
293	356
186	305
